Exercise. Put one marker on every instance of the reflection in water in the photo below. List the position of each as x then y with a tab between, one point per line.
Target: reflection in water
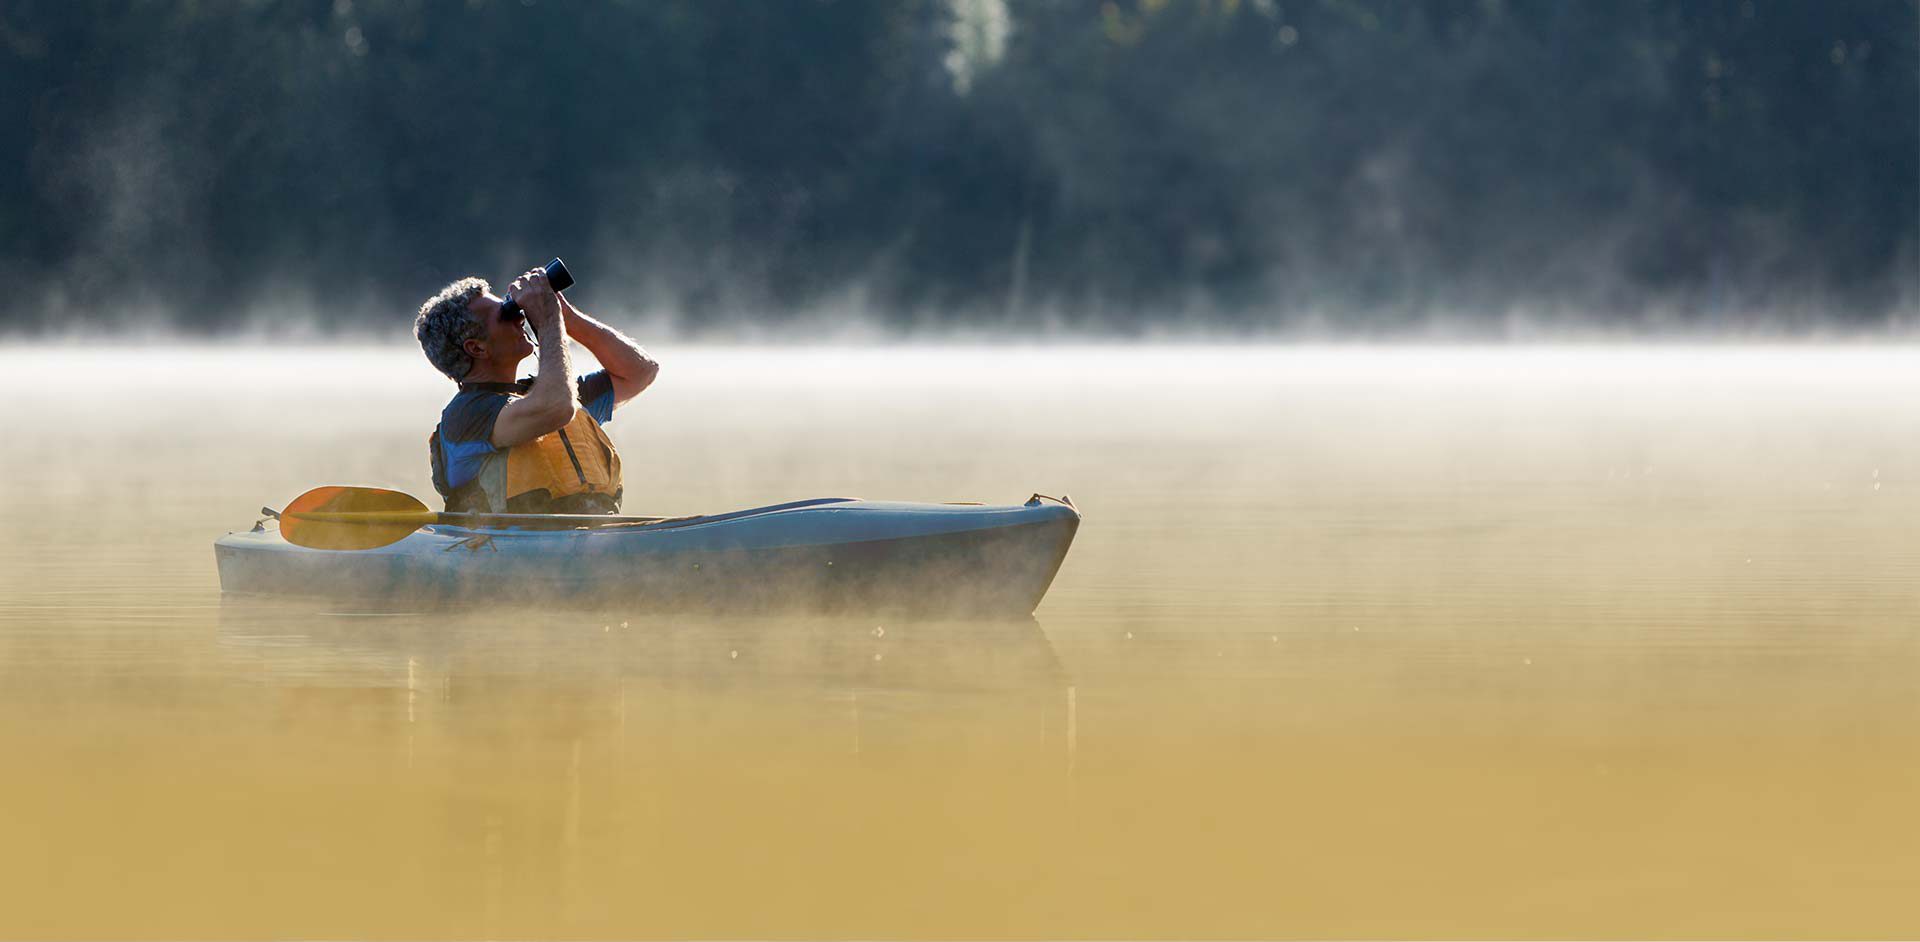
594	674
1352	643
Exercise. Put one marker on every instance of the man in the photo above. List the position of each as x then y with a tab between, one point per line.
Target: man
531	445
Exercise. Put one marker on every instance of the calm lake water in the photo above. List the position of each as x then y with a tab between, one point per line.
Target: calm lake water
1352	643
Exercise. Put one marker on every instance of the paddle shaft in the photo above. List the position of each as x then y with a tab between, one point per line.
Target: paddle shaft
423	518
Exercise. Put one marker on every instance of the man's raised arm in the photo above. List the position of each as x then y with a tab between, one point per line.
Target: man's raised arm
629	366
550	403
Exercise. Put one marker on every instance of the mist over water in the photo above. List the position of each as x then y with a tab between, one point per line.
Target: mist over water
1353	642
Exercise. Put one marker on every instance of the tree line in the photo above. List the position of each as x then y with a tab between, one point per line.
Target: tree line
1356	167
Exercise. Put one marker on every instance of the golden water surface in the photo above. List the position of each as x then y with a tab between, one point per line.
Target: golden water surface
1352	643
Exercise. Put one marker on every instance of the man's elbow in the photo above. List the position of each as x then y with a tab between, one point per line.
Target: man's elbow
637	377
557	414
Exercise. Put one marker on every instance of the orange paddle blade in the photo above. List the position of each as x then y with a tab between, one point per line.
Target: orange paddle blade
351	518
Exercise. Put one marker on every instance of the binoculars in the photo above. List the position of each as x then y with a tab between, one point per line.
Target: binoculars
557	276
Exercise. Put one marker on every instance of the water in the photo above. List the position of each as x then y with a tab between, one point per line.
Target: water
1353	643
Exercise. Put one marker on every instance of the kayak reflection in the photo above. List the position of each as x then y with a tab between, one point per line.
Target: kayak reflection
530	678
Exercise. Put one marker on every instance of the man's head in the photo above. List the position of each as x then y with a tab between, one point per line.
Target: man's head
463	334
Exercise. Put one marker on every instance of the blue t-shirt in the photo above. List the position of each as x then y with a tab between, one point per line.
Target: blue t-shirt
465	435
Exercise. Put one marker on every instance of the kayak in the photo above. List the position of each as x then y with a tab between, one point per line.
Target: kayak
821	554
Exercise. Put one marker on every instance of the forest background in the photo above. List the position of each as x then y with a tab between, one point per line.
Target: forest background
1340	168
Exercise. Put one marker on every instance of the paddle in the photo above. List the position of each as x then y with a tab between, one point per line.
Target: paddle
338	517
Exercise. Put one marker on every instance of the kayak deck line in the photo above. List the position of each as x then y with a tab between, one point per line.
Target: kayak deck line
530	521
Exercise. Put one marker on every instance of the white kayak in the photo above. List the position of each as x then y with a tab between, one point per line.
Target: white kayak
821	554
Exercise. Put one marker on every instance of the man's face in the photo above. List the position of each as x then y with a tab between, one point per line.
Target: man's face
506	338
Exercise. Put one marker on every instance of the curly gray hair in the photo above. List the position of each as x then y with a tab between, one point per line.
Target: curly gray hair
445	323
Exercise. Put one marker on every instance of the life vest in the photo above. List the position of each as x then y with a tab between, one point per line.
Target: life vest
571	470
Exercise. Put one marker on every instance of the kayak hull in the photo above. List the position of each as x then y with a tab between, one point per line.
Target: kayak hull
833	555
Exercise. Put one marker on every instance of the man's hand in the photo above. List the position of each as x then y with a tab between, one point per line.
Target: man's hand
536	299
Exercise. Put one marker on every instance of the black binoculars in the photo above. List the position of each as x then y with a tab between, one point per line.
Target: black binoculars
557	276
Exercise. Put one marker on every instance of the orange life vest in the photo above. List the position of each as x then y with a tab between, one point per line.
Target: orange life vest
573	469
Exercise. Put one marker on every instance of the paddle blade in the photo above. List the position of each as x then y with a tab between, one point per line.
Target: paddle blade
355	518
